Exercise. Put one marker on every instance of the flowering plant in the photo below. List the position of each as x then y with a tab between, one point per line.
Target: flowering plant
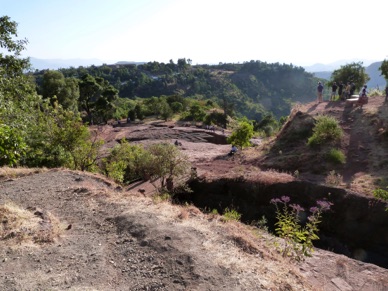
298	239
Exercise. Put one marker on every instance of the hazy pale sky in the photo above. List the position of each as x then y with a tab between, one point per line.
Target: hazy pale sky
301	32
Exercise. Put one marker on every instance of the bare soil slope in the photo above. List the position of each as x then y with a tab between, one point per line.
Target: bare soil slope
114	238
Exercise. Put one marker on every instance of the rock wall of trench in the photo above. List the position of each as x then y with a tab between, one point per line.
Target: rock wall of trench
356	226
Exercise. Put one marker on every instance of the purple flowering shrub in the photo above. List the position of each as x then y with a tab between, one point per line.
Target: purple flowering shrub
298	239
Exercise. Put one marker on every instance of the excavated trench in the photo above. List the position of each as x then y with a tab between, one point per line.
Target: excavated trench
355	226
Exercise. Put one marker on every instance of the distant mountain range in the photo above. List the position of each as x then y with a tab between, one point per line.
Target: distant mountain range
55	64
323	71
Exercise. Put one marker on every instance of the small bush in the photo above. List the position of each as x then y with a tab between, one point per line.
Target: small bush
326	130
375	92
231	214
333	178
382	195
336	156
297	238
214	212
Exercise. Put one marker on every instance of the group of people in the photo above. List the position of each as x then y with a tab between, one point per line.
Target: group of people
344	92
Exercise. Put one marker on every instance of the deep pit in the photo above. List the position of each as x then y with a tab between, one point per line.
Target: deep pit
356	226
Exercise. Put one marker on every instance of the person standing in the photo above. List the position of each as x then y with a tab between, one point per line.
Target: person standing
333	91
347	91
352	89
320	92
340	89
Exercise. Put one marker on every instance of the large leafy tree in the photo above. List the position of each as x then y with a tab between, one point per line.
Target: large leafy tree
167	163
10	63
384	70
36	131
354	72
66	90
97	98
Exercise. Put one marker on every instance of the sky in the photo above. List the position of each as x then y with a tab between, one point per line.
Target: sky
299	32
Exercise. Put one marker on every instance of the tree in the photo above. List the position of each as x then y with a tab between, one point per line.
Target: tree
353	72
127	162
197	112
384	70
167	163
242	134
12	146
90	91
97	98
66	90
12	65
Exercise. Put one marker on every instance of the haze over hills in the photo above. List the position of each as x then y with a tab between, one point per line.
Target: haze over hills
376	80
319	67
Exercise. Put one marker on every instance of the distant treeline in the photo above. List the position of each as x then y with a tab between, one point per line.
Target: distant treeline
250	89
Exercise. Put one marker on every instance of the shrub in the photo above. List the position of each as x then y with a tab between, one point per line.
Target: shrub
166	163
336	156
127	162
375	92
382	195
297	238
242	135
326	130
12	146
231	214
333	178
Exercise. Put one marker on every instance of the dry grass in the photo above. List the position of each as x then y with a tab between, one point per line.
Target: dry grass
23	226
10	173
272	176
232	246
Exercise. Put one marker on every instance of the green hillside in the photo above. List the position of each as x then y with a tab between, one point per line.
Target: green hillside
250	89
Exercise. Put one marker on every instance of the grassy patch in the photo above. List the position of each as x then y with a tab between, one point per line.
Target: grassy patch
336	156
21	225
8	172
326	130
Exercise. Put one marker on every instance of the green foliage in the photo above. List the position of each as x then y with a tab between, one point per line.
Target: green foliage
167	163
217	118
242	134
58	138
12	146
268	125
231	214
298	239
214	211
197	112
382	195
97	98
165	110
250	89
177	107
336	156
11	65
384	70
139	110
261	223
354	72
127	162
326	130
65	89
